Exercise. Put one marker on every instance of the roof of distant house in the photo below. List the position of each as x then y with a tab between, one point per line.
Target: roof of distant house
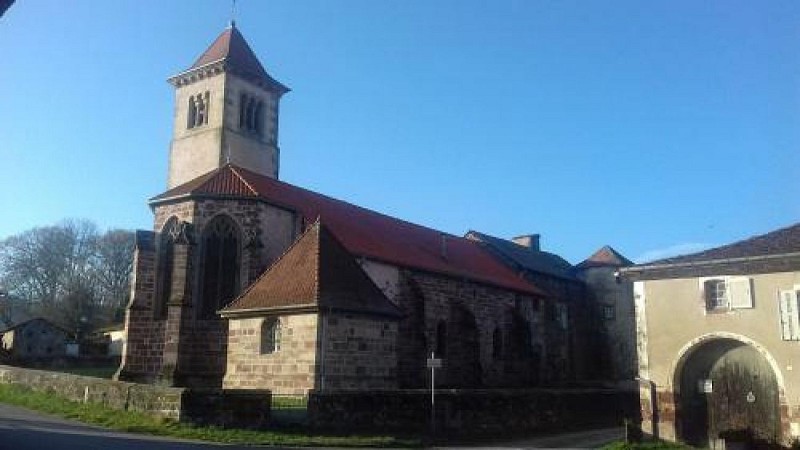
316	272
607	256
362	232
778	242
12	326
526	258
777	250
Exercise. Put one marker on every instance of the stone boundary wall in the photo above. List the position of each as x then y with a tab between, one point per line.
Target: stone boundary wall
203	406
473	412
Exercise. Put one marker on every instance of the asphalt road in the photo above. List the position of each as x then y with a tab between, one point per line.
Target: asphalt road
22	429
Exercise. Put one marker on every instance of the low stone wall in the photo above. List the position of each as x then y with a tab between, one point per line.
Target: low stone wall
208	406
473	411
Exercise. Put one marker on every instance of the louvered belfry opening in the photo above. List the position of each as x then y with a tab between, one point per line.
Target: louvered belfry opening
221	263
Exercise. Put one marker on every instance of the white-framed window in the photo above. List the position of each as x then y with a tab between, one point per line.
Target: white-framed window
726	293
270	335
789	301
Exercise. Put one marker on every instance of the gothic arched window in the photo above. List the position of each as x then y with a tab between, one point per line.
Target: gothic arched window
270	335
251	114
165	263
220	263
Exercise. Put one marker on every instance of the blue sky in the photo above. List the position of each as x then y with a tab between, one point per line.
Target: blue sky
648	126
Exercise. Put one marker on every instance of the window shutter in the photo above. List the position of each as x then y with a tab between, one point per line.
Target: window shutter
740	293
790	320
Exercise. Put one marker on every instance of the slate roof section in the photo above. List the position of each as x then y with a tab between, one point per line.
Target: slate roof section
315	272
525	258
231	47
779	242
607	256
364	232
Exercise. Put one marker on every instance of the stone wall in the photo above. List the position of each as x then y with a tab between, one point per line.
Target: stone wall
289	370
473	411
494	337
359	352
210	406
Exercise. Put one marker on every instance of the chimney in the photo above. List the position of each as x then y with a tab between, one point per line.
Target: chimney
529	241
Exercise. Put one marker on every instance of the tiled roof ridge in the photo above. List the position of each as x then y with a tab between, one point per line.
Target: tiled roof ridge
269	268
235	170
317	228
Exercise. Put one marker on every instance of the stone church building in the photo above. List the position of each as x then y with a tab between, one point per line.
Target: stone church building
247	281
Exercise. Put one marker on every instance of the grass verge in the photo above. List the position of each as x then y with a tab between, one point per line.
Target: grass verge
141	423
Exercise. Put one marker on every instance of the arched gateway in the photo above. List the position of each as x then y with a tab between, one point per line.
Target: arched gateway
726	388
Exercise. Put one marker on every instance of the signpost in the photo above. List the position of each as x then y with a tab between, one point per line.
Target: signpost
433	363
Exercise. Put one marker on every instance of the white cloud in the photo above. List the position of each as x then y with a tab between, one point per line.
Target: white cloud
672	250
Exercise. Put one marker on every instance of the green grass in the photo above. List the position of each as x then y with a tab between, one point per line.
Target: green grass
648	445
142	423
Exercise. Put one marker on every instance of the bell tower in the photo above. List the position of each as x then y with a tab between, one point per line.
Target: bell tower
226	110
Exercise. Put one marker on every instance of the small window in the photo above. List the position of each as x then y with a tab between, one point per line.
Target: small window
441	339
270	336
724	293
790	315
497	344
716	292
609	312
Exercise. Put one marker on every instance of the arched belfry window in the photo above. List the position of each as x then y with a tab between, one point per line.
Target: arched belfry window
166	258
197	114
270	335
251	114
220	277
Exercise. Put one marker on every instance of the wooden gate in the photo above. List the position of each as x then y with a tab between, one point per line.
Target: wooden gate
728	392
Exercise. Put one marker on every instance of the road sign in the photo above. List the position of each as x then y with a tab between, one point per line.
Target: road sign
434	363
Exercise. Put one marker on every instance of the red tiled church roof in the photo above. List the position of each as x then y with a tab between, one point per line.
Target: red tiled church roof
317	272
231	47
363	232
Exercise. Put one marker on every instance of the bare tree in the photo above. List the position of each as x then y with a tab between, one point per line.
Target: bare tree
69	272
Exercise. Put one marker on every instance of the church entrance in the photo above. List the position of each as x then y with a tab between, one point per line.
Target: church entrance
728	396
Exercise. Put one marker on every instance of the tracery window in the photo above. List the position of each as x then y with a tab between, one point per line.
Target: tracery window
197	114
270	335
220	265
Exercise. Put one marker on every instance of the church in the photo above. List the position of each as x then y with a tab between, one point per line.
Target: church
249	282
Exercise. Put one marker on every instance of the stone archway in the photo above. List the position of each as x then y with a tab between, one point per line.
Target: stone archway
726	389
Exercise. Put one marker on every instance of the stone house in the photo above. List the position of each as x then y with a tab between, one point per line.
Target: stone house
34	339
718	337
249	281
590	307
612	323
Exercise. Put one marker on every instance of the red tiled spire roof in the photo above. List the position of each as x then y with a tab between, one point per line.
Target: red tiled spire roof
231	48
315	272
607	257
363	232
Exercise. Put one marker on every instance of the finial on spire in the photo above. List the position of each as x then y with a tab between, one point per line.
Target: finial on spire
233	14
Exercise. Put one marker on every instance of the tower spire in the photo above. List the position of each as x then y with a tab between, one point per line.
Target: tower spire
233	14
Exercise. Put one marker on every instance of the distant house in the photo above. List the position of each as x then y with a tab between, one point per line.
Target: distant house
111	338
34	339
718	342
